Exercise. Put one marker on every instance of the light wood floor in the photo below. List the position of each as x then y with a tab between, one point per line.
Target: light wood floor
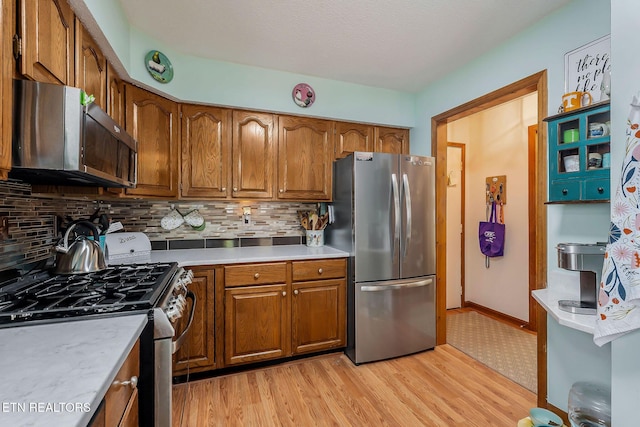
443	387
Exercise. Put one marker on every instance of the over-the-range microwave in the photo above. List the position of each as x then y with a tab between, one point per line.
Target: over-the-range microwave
58	140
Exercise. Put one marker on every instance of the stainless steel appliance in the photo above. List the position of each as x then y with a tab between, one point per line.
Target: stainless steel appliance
384	208
587	258
82	255
158	289
57	140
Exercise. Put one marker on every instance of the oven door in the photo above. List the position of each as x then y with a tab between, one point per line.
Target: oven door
167	340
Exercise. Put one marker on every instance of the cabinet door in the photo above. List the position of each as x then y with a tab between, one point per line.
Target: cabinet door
46	30
318	315
206	151
153	121
198	353
253	155
304	158
6	85
256	323
352	137
115	95
91	66
391	140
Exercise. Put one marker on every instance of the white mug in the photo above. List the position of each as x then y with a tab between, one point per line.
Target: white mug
598	129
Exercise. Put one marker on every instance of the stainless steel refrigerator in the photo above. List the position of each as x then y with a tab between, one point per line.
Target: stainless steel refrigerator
384	208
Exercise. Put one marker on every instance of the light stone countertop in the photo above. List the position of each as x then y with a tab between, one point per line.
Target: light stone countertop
548	299
218	256
56	374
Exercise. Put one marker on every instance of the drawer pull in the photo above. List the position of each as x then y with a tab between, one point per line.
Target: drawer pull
319	271
133	382
256	276
296	292
223	189
600	190
235	189
565	191
284	293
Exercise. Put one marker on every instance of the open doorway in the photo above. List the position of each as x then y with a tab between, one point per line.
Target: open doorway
537	213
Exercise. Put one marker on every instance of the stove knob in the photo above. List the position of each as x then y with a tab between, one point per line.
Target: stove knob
173	313
181	302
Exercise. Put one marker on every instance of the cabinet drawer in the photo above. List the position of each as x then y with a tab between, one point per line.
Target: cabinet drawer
596	189
319	269
118	395
255	274
564	190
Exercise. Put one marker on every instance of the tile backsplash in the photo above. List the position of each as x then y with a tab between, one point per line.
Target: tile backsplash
32	220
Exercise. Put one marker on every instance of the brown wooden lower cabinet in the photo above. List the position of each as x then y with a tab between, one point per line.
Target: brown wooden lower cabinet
197	353
300	309
318	315
256	323
119	408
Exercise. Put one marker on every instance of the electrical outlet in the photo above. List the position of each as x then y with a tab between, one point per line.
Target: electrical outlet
4	228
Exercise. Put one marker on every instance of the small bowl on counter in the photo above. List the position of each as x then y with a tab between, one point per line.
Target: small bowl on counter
541	417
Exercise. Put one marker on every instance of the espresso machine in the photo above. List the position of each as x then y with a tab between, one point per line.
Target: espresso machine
587	258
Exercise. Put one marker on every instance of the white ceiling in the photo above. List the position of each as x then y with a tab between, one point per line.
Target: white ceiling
395	44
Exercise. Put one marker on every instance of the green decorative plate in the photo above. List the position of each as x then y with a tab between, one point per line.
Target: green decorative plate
159	66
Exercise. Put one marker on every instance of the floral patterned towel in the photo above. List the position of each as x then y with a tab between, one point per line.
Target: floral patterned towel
619	292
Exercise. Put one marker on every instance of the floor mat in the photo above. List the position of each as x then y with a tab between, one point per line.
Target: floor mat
504	348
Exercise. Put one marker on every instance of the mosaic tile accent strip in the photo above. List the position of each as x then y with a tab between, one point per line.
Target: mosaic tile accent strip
33	221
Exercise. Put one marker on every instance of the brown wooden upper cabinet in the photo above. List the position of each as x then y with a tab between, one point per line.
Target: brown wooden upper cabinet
46	29
391	140
253	150
153	121
352	137
206	151
305	156
6	85
91	66
115	96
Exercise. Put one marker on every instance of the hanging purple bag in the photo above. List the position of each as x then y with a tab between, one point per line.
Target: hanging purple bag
491	235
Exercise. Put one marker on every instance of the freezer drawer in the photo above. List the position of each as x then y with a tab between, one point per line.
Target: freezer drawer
393	318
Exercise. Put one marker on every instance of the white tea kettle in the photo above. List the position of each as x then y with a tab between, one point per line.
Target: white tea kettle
82	255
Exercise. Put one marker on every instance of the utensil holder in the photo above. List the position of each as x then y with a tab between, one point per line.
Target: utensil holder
315	237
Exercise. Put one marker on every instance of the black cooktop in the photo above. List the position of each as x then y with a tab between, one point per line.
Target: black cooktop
45	295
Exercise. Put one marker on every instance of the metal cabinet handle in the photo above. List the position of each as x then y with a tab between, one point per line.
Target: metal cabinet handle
256	276
133	382
320	271
284	293
296	292
565	191
600	190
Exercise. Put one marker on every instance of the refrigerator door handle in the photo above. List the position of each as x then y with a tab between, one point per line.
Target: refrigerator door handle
391	287
396	207
407	206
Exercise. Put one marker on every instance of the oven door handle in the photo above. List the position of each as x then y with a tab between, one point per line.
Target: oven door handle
178	342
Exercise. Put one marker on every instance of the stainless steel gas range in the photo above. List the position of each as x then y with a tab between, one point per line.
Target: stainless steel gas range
158	289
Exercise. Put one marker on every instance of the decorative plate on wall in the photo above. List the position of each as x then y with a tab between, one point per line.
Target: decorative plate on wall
159	66
303	95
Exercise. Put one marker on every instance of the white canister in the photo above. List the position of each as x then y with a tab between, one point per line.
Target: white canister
315	237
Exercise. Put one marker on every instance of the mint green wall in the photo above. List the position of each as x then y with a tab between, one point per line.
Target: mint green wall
222	83
540	47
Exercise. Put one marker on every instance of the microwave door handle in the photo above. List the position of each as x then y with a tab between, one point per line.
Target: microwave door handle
407	205
396	207
178	342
